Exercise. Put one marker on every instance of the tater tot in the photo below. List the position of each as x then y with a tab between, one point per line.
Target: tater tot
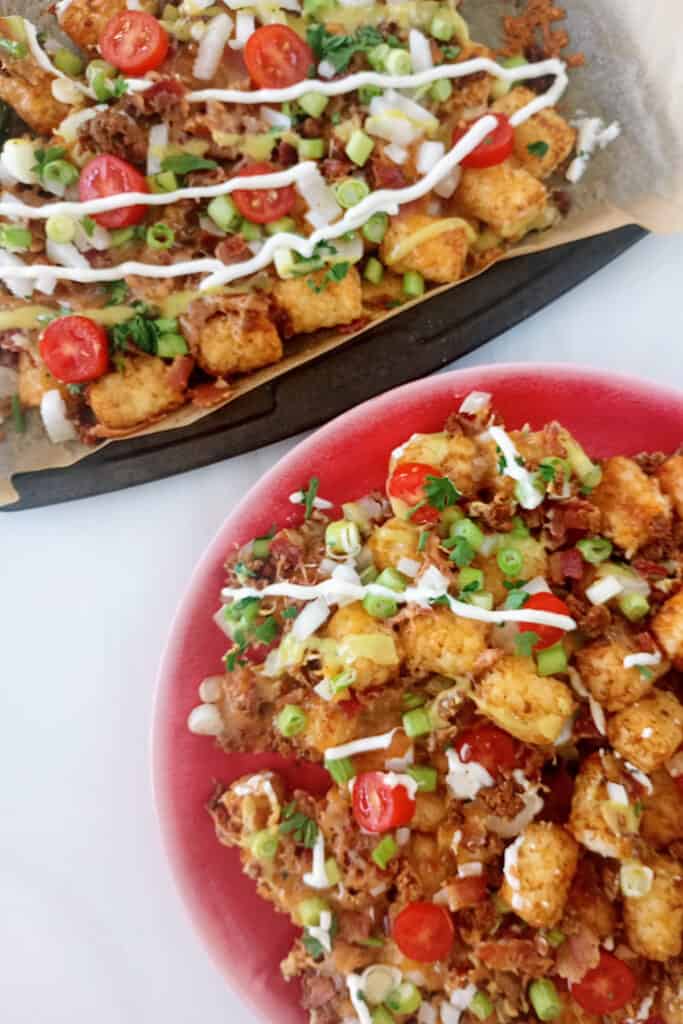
138	393
394	540
351	621
654	922
648	732
300	309
670	476
555	135
506	197
601	665
602	819
539	868
667	626
632	504
428	245
662	821
535	709
443	643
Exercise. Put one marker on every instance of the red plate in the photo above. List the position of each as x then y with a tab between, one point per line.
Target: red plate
606	412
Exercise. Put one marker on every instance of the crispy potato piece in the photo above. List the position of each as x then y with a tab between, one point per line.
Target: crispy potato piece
302	310
648	732
601	665
352	620
34	381
430	811
537	884
136	394
327	725
546	127
467	462
394	540
506	197
439	258
633	507
378	298
588	903
670	476
531	708
443	643
671	1002
662	821
654	922
27	88
667	626
236	336
596	821
473	91
84	21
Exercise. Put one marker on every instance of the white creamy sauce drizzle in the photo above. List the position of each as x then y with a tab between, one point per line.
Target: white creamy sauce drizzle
360	746
382	201
317	878
529	496
394	779
354	983
465	779
617	794
642	658
321	931
510	871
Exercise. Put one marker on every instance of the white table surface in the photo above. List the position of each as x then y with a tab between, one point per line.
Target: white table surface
91	928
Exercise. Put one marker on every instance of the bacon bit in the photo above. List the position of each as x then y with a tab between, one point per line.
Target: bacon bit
205	396
316	991
584	727
647	568
557	801
486	660
466	892
286	552
179	372
578	954
515	955
646	642
233	249
335	168
163	96
350	707
286	154
534	26
385	174
566	565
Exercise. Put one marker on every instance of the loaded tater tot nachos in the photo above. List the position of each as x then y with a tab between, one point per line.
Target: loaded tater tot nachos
204	182
486	660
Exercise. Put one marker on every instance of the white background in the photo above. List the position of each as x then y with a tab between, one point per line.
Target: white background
91	929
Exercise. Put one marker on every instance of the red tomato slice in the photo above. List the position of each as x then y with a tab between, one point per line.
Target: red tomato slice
424	932
488	745
607	987
378	807
262	206
547	635
134	42
496	146
110	176
468	892
407	484
277	57
75	349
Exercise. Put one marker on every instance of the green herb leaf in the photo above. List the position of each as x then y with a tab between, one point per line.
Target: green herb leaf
117	292
450	52
516	599
267	631
290	612
184	163
309	496
13	49
422	541
243	571
525	643
645	672
440	492
547	472
437	601
502	461
539	148
45	157
296	823
338	49
462	552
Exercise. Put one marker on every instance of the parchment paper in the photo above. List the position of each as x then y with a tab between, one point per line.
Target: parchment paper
633	73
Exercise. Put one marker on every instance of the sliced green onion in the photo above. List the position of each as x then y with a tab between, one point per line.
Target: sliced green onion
555	937
449	517
510	561
385	851
164	181
441	90
442	27
588	472
544	999
412	700
377	56
417	723
552	660
224	213
343	680
481	1006
341	769
13	48
61	173
68	62
160	236
264	844
60	228
342	538
633	606
15	239
392	579
309	911
413	284
375	228
367	92
121	236
398	62
469	531
99	67
379	607
260	548
351	191
405	998
595	549
374	271
313	103
171	345
250	232
470	580
283	224
18	417
380	1015
311	149
426	779
519	527
484	600
291	720
359	147
368	575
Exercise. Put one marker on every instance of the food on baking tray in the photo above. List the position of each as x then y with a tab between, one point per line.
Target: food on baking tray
203	185
486	661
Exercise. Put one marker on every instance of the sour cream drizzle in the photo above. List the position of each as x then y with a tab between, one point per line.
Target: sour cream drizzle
381	201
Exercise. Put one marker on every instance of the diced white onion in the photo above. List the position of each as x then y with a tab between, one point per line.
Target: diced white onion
72	123
317	878
428	155
245	26
475	402
537	586
310	618
420	51
65	254
471	869
98	239
635	879
326	69
642	658
408	566
297	498
324	690
205	720
617	794
19	159
158	140
402	836
275	118
426	1014
397	154
323	207
603	590
348	250
22	288
395	129
211	47
65	92
58	426
598	715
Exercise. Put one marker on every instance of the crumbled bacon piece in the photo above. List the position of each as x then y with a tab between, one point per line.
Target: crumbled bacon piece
520	955
578	954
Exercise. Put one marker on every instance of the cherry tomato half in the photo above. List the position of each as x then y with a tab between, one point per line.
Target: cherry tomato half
277	57
75	349
262	206
489	746
378	807
607	987
496	146
134	42
424	932
547	635
110	176
407	484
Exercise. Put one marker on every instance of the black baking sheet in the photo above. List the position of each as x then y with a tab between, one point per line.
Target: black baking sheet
419	341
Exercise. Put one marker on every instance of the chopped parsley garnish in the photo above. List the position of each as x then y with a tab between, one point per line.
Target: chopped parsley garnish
232	659
516	599
296	823
75	389
338	49
539	148
47	156
141	332
440	492
462	552
502	461
290	612
243	572
309	496
336	273
645	672
184	163
422	541
117	292
471	588
13	49
450	52
525	643
435	602
267	631
547	472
